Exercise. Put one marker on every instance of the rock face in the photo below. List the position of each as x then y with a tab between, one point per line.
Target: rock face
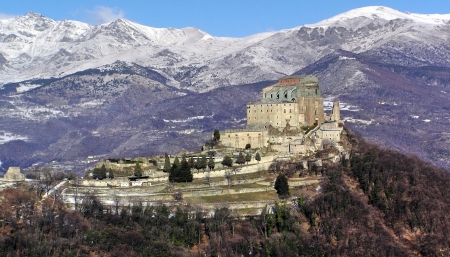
122	89
13	174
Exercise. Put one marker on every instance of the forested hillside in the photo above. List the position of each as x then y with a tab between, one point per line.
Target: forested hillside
376	203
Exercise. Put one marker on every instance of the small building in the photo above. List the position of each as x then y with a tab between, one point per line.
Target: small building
13	175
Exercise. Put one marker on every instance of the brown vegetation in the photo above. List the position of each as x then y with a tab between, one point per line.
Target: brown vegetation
377	203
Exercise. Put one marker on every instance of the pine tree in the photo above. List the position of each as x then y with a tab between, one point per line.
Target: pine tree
175	171
248	158
176	164
166	164
258	157
99	173
192	163
204	163
211	163
216	135
137	170
185	174
282	186
111	174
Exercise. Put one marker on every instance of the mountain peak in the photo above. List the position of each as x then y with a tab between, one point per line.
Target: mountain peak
34	15
383	13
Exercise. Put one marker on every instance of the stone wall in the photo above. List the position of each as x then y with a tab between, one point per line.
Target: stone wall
275	114
240	138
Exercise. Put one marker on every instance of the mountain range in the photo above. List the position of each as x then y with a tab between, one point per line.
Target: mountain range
71	90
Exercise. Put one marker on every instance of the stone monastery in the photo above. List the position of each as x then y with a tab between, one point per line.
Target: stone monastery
290	118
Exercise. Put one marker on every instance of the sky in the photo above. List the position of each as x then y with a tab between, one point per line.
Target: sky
225	18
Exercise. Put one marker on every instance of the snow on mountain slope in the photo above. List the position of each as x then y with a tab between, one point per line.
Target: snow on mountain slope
34	46
372	13
35	35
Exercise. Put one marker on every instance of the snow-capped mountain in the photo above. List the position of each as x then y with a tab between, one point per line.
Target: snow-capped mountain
121	87
359	17
34	46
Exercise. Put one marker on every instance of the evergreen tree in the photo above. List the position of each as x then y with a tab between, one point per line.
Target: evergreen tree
166	164
174	174
240	159
211	163
137	170
111	174
176	164
248	158
258	157
185	174
282	186
103	172
99	173
192	163
204	163
227	161
216	135
96	173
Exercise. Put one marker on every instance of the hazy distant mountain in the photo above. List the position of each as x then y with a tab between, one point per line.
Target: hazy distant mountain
72	90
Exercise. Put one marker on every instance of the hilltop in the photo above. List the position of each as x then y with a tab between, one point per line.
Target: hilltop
378	202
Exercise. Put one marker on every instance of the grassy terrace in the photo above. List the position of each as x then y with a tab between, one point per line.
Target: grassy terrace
258	196
241	186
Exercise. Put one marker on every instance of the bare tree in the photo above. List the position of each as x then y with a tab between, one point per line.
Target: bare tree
229	178
207	178
178	195
116	200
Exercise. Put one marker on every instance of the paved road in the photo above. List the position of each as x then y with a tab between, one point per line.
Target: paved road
51	191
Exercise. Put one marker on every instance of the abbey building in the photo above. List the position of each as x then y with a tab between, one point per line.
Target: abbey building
290	118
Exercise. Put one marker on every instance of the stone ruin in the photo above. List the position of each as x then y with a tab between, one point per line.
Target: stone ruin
13	174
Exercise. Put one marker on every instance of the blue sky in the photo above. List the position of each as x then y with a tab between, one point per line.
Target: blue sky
232	18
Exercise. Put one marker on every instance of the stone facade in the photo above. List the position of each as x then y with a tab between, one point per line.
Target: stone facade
293	103
240	138
302	93
13	174
275	114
